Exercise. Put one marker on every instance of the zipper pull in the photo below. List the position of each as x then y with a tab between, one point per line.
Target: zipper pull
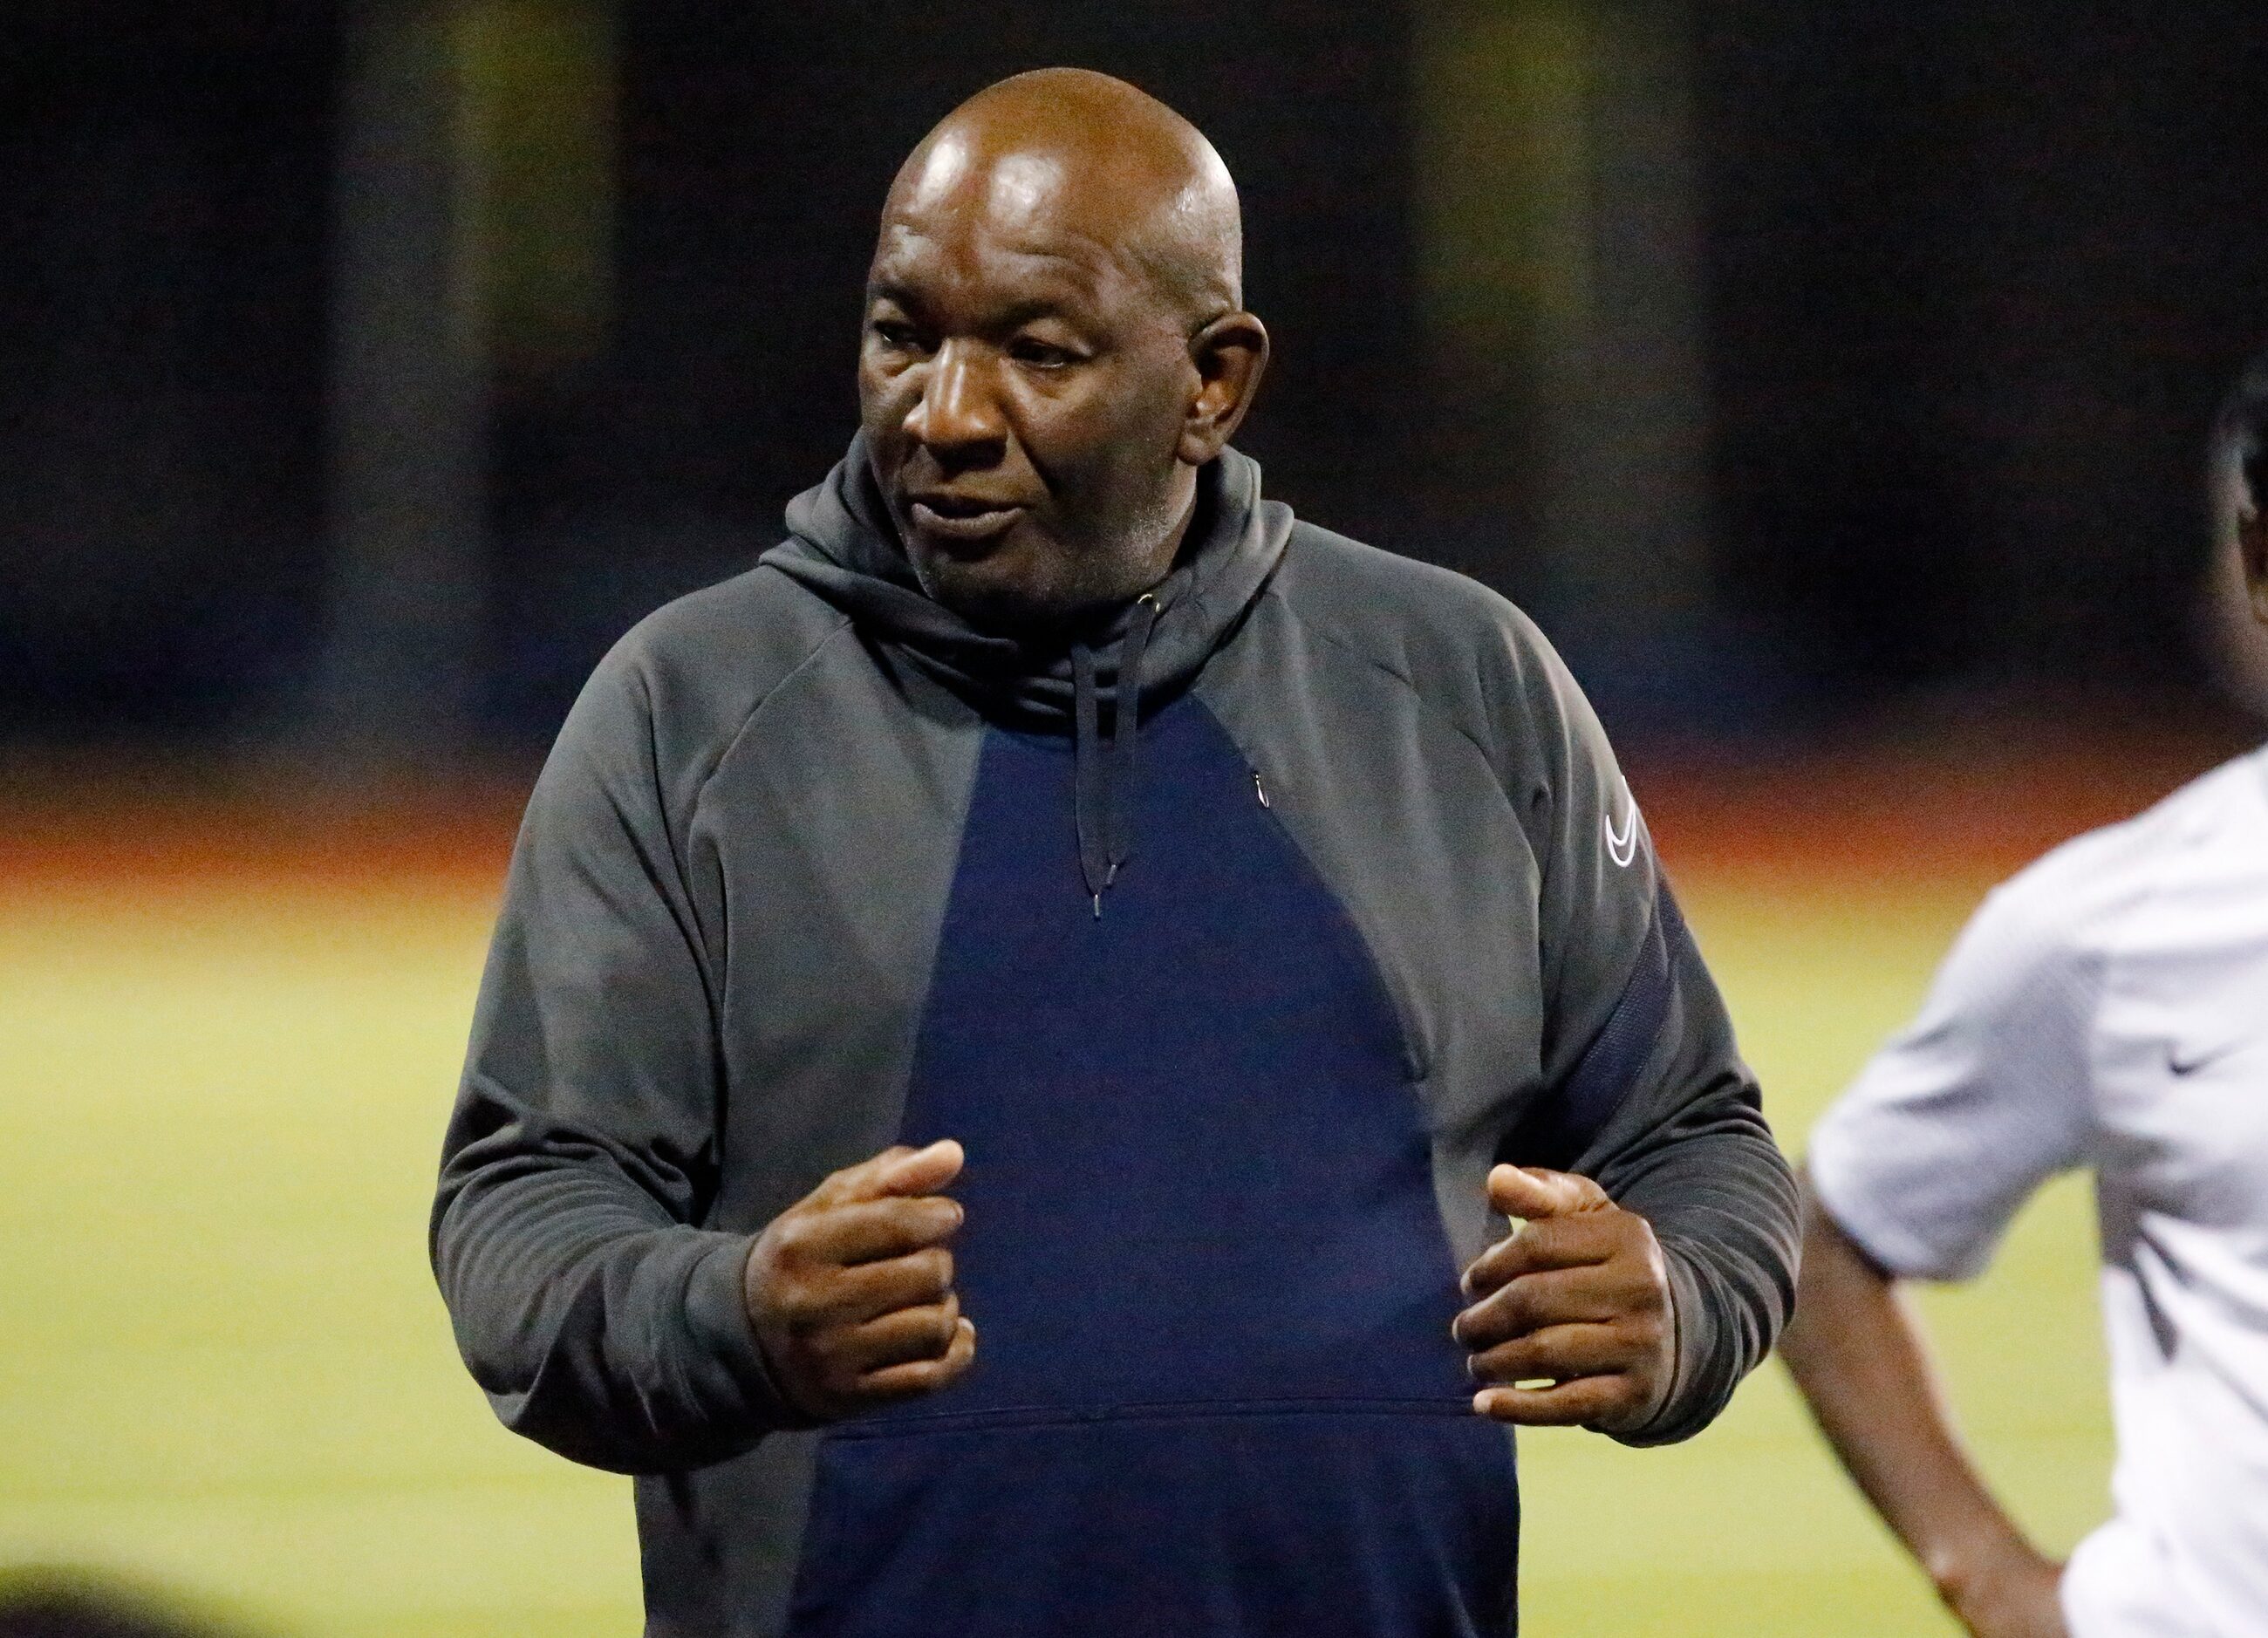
1259	790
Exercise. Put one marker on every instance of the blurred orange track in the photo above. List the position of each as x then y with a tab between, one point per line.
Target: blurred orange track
1954	814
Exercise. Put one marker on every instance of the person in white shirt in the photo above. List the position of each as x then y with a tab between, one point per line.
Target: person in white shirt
2108	1008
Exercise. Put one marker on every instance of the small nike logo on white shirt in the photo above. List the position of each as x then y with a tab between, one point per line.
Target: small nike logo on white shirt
2197	1059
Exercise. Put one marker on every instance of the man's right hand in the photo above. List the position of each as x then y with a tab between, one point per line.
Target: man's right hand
850	1289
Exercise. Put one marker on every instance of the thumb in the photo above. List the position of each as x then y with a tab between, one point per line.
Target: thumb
920	1172
1532	1192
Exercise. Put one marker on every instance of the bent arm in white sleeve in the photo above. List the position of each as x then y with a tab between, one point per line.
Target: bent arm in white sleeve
1927	1156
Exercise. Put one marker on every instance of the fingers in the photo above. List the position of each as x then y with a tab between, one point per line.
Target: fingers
1557	1354
1537	1302
927	1375
868	1230
1565	1377
923	1171
1574	1303
1533	1193
901	1338
1544	1245
847	1369
896	1170
851	1297
850	1291
1565	1405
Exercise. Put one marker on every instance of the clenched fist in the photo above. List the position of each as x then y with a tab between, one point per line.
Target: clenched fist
850	1289
1575	1302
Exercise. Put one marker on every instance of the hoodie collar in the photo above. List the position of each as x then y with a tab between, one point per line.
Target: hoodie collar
842	546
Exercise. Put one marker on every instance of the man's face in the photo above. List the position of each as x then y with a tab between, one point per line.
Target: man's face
1023	386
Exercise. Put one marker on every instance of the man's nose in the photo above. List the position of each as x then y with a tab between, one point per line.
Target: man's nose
958	417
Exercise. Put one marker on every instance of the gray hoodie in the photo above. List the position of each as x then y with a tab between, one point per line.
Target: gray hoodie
1235	940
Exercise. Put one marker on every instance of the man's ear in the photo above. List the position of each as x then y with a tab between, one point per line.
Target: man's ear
1231	355
2253	551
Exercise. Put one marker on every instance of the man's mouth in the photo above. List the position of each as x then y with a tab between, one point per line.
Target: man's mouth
961	518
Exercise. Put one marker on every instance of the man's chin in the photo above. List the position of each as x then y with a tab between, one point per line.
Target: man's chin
1014	590
985	590
999	604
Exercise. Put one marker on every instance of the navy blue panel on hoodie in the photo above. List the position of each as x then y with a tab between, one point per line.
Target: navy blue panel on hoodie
1216	1391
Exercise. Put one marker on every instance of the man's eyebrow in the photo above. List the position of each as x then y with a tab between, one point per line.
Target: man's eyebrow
1008	316
1025	311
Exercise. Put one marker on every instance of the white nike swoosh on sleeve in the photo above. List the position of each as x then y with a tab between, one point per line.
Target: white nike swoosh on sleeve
1622	848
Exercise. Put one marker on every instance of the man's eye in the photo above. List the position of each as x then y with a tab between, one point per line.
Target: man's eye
1041	355
893	334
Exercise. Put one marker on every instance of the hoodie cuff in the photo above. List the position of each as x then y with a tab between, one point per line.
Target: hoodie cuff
726	1359
1694	1398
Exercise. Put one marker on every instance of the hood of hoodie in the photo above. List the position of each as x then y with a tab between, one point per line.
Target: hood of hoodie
844	546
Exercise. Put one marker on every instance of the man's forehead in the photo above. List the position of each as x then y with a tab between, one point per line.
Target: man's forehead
1032	201
1024	257
994	285
1010	189
1036	252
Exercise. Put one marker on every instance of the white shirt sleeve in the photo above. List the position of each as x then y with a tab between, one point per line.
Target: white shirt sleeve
1927	1156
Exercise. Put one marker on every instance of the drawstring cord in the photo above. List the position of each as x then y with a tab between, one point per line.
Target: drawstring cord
1086	777
1103	791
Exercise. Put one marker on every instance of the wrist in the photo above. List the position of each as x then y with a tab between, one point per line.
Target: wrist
1672	1414
1966	1566
752	1343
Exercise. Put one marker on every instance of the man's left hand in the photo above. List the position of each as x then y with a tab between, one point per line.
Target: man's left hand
1574	1303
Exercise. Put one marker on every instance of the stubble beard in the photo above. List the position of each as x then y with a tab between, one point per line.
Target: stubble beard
1066	587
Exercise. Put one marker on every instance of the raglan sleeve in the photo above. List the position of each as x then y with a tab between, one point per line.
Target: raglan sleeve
1927	1156
599	1318
1645	1088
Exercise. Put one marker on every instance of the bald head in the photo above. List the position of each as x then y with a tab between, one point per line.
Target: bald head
1055	347
1066	149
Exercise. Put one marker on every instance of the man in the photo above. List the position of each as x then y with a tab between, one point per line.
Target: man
1056	900
2107	1007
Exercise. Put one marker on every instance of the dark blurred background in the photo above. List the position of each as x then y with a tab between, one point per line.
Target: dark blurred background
1801	364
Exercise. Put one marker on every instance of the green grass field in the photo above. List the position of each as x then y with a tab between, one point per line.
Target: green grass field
223	1369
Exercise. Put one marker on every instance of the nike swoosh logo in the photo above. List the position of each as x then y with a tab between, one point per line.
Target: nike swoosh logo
2195	1061
1622	846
